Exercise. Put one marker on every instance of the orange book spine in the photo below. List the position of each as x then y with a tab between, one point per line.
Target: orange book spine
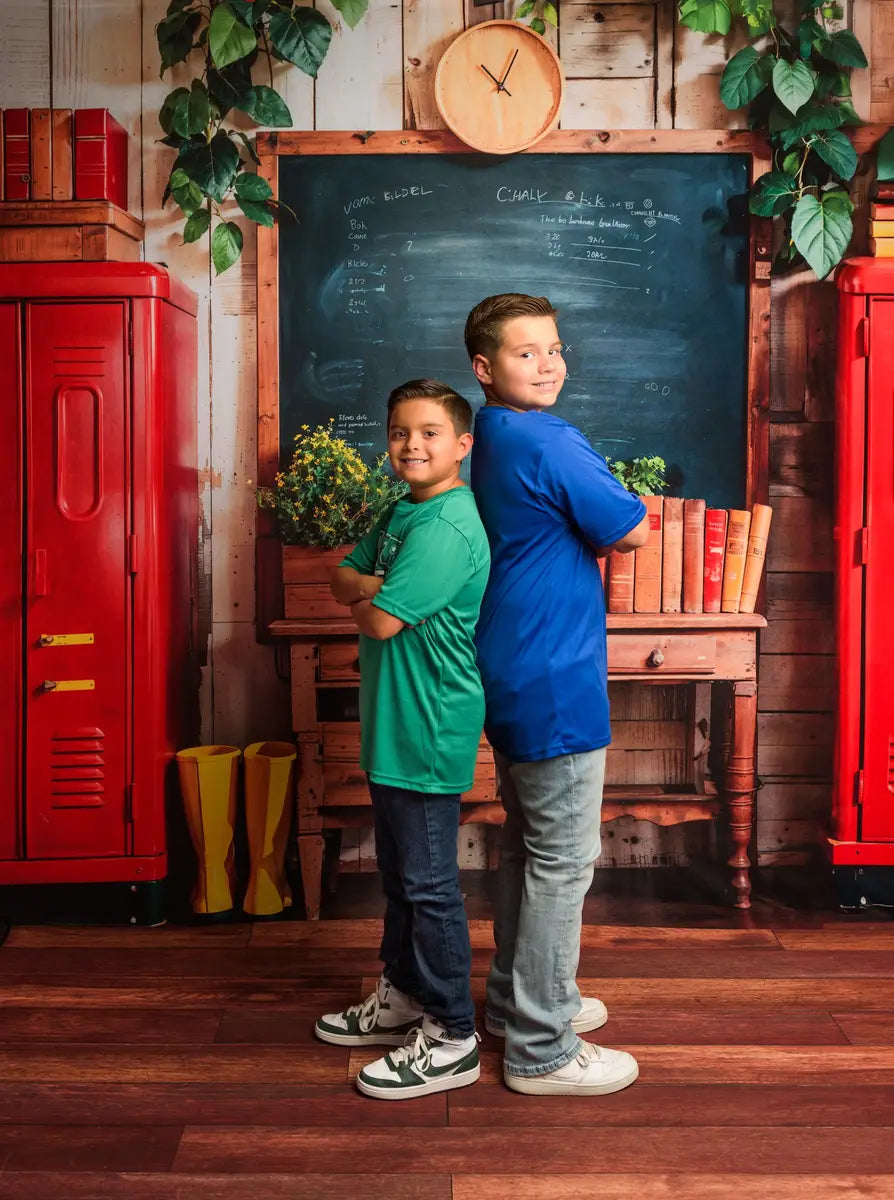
715	545
62	154
602	563
693	555
734	560
882	212
647	578
882	247
672	556
755	556
620	582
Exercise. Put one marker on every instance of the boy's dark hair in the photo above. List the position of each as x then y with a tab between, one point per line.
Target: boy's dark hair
484	324
458	410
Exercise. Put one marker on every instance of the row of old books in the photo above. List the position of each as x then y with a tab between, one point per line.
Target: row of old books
60	154
881	221
697	559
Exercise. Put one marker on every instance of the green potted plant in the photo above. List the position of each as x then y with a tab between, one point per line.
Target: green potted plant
325	499
644	476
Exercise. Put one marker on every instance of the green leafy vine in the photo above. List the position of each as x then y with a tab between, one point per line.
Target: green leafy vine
230	36
796	86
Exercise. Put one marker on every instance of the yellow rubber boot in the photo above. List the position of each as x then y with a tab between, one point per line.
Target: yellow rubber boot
268	810
208	777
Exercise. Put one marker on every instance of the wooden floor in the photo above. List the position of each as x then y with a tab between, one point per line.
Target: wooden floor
179	1062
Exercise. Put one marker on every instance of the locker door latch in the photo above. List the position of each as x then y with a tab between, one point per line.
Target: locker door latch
68	685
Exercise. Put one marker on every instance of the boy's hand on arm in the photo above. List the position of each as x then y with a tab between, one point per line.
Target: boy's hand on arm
637	537
349	586
375	622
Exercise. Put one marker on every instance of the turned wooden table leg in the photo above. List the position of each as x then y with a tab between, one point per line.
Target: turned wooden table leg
740	786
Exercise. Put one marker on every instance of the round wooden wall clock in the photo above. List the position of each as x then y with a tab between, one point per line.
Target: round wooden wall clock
499	87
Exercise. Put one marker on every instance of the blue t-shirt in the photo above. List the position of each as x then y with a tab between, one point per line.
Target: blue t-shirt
546	499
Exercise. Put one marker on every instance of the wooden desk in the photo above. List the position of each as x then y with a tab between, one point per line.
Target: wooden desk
651	648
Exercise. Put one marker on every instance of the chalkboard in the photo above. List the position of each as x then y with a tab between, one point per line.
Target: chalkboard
645	255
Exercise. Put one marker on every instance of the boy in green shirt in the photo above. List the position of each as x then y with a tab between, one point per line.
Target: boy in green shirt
414	585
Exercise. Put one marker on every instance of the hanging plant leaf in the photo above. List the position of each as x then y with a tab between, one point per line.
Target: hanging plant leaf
175	37
744	77
212	165
301	36
525	9
832	81
844	49
758	14
250	11
835	149
258	212
268	108
198	110
186	193
196	225
229	38
812	118
706	16
791	162
226	245
252	187
248	144
821	230
232	87
810	34
171	103
539	26
773	194
351	10
550	15
177	6
793	83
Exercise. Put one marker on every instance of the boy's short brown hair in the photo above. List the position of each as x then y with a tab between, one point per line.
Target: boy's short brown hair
484	324
458	410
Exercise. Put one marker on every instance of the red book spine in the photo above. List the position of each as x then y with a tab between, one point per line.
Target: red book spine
620	581
100	157
715	545
647	577
17	154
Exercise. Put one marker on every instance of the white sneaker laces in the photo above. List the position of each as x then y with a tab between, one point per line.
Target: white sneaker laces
416	1051
366	1013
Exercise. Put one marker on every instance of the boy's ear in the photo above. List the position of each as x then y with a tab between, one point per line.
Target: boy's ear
481	367
465	445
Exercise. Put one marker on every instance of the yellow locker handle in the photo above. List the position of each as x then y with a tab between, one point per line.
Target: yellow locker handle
69	685
65	639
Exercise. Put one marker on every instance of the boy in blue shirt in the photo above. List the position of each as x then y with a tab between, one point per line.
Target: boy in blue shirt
415	584
550	507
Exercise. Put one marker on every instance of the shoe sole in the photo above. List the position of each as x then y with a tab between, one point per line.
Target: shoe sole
539	1085
423	1089
578	1026
352	1039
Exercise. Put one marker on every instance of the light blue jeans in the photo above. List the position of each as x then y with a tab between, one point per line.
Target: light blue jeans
550	844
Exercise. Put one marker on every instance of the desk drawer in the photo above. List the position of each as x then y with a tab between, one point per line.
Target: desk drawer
340	660
656	654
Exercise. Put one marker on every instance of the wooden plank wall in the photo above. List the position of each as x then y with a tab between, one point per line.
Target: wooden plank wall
628	65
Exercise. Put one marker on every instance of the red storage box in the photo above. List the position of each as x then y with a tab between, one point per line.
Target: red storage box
100	157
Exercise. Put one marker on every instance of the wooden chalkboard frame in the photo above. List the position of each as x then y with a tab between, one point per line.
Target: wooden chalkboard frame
271	146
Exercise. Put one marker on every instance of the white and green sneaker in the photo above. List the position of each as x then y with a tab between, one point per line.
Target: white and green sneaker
385	1018
431	1061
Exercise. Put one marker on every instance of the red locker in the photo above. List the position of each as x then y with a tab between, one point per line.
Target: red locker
98	541
863	814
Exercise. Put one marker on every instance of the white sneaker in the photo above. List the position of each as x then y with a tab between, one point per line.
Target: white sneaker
595	1071
592	1015
383	1019
431	1061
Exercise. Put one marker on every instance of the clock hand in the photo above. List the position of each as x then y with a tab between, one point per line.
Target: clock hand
508	69
498	82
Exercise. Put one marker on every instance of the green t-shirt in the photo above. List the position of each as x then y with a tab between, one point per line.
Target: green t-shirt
421	700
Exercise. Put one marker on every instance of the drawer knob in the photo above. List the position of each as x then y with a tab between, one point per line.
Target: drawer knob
655	659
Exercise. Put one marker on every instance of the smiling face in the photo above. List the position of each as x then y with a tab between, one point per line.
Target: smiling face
527	372
424	448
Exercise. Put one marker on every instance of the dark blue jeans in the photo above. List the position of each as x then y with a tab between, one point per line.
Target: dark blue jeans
425	944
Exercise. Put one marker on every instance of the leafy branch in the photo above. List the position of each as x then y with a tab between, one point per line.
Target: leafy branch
644	476
541	12
796	86
230	36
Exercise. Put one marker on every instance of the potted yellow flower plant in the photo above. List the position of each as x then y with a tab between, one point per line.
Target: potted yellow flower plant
324	500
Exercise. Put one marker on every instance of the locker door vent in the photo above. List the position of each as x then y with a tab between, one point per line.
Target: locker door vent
891	762
77	768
